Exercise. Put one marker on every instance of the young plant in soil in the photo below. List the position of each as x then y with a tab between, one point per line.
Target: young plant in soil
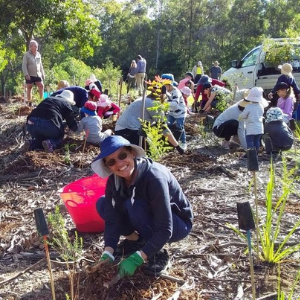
69	248
269	233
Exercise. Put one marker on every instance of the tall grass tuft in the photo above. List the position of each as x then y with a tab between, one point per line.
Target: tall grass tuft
275	210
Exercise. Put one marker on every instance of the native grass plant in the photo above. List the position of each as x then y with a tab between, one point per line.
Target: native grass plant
269	233
275	210
70	249
280	293
67	148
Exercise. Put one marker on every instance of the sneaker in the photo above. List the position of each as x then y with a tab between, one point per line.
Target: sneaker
225	145
47	146
183	146
127	247
157	263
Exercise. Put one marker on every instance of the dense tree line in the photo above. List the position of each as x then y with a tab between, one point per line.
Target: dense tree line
171	34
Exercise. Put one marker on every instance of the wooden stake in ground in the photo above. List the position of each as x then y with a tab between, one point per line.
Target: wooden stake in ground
120	92
84	144
42	229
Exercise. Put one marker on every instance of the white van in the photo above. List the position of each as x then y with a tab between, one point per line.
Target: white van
252	69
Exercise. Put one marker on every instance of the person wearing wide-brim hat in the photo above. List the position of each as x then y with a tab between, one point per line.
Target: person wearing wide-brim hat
228	125
144	202
286	77
253	117
45	122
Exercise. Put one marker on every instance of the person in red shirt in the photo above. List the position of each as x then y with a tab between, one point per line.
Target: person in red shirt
106	107
204	80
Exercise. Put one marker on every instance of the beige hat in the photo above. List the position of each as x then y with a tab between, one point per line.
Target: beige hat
286	69
216	63
243	103
67	96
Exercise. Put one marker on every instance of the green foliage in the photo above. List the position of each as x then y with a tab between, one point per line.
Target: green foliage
70	249
279	52
280	293
67	148
158	144
224	100
110	78
271	226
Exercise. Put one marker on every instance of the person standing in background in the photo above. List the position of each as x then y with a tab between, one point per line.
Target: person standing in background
216	71
131	81
33	70
141	73
198	71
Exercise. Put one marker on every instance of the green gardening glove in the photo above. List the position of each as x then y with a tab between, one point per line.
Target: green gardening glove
107	256
130	264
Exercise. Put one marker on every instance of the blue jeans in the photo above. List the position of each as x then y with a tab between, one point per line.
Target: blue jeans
179	124
138	218
253	141
43	129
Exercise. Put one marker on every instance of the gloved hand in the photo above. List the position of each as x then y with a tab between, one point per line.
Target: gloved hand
107	256
180	150
108	113
129	265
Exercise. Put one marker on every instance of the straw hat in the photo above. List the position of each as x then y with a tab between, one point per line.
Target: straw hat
286	69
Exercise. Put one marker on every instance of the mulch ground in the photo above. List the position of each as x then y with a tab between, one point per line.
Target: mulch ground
211	263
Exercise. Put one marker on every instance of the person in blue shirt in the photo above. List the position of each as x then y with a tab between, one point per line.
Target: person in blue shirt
141	73
144	202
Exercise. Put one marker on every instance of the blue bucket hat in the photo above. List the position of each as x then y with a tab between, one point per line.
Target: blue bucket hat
110	145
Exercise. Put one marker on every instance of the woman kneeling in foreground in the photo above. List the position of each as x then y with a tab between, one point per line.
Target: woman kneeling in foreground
144	202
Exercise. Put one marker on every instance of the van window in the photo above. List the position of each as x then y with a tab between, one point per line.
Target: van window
250	59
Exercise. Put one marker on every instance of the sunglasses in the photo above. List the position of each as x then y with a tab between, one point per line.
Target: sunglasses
113	161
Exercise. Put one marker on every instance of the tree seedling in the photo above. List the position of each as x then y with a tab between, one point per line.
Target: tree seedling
246	223
42	229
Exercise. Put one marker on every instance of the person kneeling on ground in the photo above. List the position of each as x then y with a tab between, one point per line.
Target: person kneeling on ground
278	136
92	124
45	122
106	108
144	202
228	124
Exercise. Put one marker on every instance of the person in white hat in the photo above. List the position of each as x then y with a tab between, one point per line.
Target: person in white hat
253	117
106	108
45	122
288	78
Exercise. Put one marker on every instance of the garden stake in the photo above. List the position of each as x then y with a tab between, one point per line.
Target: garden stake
42	229
246	223
252	164
84	144
143	112
120	94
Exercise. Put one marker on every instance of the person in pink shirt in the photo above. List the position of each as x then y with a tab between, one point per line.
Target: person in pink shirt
106	107
186	80
285	101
